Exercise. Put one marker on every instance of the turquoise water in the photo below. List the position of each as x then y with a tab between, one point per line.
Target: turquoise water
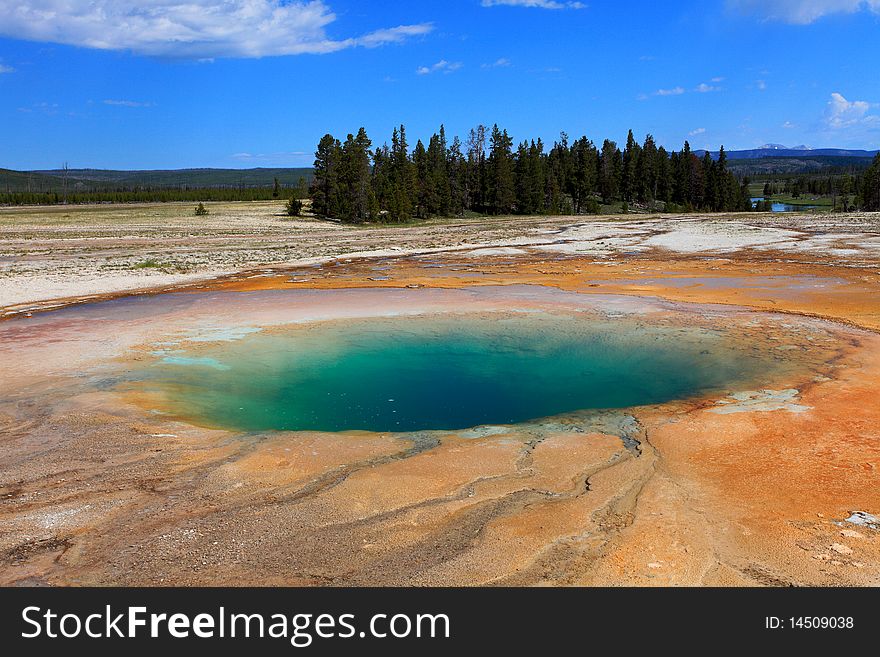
442	372
776	206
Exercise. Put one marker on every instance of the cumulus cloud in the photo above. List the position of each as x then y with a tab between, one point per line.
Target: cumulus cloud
50	109
6	69
761	84
541	4
842	113
268	157
704	88
127	103
198	29
675	91
697	131
802	12
788	125
442	65
503	62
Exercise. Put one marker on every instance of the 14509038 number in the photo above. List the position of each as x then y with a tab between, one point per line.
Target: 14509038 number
821	622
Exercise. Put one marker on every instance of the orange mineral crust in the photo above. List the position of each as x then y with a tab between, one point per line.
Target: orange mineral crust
771	483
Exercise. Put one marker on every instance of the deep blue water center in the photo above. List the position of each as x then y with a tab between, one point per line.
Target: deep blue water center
443	372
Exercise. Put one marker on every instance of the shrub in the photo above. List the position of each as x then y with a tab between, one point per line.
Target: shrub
294	207
592	207
201	210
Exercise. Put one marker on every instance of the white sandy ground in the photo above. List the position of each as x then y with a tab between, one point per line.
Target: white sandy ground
95	254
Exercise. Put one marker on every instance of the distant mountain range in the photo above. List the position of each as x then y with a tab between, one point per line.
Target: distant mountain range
778	150
52	180
769	159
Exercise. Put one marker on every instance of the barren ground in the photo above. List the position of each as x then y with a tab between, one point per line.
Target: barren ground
756	489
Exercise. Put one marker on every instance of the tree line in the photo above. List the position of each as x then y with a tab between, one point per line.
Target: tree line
869	193
154	195
487	174
861	187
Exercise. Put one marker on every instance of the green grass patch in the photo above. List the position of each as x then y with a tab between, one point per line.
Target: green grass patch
150	264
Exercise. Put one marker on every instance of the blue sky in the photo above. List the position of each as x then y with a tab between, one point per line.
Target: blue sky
245	83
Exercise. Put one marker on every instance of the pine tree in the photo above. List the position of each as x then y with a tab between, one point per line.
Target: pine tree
646	183
356	199
401	177
710	187
664	176
584	171
870	187
683	176
476	169
522	182
609	171
293	206
425	205
457	165
439	172
502	194
631	156
325	185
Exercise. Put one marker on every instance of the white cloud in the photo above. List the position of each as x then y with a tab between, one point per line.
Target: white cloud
442	65
542	4
50	109
267	157
675	91
761	84
788	125
717	79
697	131
127	103
842	113
503	62
197	29
802	12
6	69
704	88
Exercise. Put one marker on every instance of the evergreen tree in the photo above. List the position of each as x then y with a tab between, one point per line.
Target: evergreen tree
458	174
477	180
356	202
646	187
502	194
439	172
664	176
325	185
609	171
631	155
426	202
402	178
522	180
293	206
584	173
870	187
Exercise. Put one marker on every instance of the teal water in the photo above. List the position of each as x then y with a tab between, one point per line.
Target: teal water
776	206
442	372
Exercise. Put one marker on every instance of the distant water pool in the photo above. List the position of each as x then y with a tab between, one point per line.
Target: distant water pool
785	207
443	371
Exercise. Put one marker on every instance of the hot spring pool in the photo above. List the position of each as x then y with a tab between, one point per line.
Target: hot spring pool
444	371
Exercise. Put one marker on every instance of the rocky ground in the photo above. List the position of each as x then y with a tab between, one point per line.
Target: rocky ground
74	252
771	486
